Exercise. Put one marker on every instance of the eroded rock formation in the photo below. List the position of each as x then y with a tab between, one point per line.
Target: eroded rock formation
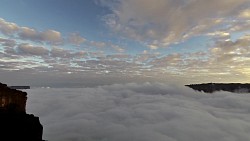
15	124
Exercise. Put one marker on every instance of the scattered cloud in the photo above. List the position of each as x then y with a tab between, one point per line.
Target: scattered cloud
76	39
117	48
32	50
7	42
67	54
245	14
98	44
170	60
106	45
26	33
223	57
49	36
8	28
220	35
153	47
59	52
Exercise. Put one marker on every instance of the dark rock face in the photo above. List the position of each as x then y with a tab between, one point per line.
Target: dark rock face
15	124
212	87
20	127
12	100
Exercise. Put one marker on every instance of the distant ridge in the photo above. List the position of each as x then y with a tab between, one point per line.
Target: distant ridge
19	87
213	87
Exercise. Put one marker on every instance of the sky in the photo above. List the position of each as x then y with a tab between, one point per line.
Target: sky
60	43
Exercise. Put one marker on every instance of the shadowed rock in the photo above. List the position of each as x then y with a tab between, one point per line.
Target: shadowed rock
212	87
16	125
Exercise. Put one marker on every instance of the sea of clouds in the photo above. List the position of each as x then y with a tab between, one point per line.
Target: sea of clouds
140	112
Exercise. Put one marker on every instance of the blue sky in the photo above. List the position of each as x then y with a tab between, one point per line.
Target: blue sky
66	16
120	41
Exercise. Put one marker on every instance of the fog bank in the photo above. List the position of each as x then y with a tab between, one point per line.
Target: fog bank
140	112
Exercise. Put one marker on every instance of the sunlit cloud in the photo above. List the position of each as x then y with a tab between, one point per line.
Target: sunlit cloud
32	50
169	21
26	33
245	14
8	28
76	39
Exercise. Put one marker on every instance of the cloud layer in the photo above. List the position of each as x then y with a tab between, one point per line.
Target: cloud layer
140	112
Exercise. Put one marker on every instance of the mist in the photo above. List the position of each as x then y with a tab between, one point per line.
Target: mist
140	112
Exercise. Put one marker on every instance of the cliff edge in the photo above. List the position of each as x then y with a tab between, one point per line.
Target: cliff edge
16	124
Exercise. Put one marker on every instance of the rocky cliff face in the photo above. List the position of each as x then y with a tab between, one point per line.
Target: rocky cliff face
12	100
15	124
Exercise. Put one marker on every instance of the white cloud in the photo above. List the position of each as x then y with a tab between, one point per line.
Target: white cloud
245	14
58	52
76	39
51	36
170	21
140	112
70	55
153	47
48	36
97	44
117	48
119	56
8	28
225	58
32	50
7	42
26	33
220	34
168	61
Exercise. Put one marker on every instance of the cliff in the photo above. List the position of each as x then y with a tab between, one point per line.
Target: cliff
12	100
16	125
212	87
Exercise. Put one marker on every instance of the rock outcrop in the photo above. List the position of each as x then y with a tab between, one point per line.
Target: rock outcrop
212	87
12	100
15	124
